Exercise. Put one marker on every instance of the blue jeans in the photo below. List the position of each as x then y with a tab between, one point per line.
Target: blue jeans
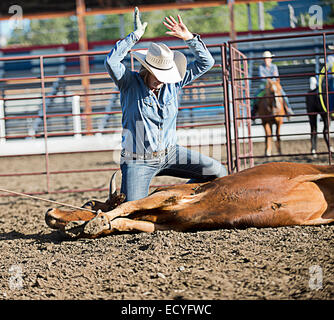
179	162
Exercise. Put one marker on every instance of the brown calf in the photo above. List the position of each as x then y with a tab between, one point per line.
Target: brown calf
268	195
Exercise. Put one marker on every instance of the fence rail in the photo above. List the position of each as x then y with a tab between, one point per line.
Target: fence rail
54	106
238	78
202	106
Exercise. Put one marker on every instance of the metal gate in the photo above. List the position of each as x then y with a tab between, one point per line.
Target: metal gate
239	90
229	86
77	129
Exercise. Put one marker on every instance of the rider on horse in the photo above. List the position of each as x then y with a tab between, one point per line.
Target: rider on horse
268	69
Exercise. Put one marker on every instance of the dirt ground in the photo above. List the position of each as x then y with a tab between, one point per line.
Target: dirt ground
38	263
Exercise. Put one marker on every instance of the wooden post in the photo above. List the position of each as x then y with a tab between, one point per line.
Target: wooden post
2	122
76	117
233	34
84	60
261	15
121	26
249	14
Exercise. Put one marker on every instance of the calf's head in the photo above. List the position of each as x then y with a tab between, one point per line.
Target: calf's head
113	201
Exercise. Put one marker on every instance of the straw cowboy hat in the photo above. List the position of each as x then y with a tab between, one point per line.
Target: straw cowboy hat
166	65
267	54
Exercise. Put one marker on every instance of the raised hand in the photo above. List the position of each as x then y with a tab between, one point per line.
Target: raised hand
177	29
139	27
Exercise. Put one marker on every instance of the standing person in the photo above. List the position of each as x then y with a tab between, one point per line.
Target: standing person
150	106
268	69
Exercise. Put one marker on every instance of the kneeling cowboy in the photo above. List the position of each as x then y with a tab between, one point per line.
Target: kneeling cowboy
149	109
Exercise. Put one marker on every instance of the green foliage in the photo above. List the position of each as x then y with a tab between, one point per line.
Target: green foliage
47	31
330	18
268	19
108	27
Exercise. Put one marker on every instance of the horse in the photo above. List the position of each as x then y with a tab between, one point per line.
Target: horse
313	105
272	109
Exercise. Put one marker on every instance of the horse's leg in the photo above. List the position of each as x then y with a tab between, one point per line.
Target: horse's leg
325	131
278	135
313	124
268	133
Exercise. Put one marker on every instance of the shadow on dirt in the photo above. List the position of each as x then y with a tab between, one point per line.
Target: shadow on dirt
54	237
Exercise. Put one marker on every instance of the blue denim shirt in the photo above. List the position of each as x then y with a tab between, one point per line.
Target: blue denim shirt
149	122
272	71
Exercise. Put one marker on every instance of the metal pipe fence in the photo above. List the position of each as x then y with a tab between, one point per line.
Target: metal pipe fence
76	115
230	87
242	99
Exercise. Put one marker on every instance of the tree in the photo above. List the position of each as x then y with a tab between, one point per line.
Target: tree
330	17
108	27
104	27
208	20
46	31
268	19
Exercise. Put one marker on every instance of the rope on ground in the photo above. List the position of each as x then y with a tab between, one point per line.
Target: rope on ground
46	200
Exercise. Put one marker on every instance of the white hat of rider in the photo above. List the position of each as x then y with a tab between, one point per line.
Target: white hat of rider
267	54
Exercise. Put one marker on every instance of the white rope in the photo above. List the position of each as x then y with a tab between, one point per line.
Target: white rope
46	200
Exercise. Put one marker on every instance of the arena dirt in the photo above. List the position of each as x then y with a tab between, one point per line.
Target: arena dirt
38	263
